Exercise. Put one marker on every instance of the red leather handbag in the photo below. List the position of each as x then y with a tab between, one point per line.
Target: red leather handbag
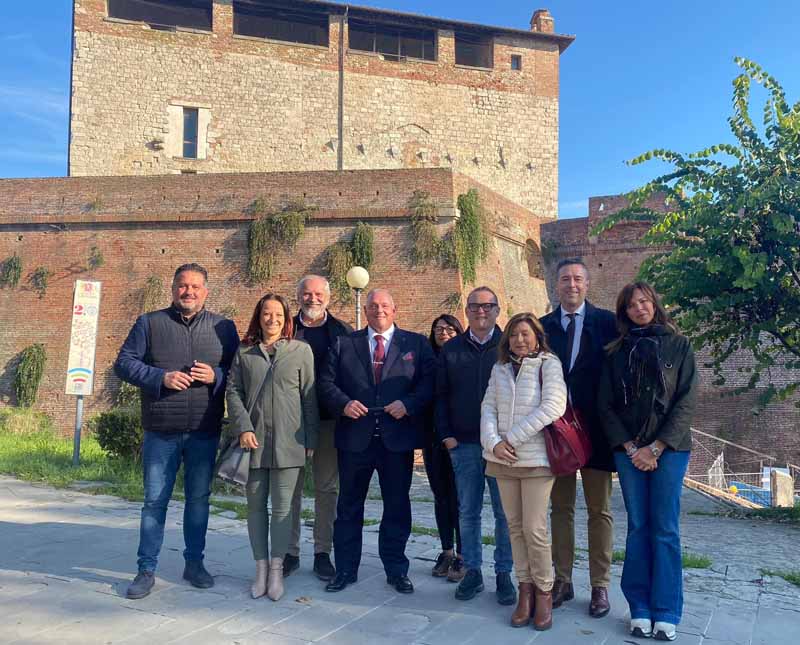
567	442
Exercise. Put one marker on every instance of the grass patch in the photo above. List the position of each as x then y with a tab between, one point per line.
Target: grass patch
423	530
695	561
791	515
41	456
688	560
792	576
239	508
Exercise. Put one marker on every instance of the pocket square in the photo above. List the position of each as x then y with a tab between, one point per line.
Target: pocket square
408	356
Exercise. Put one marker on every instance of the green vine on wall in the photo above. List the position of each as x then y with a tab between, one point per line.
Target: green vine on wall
359	250
30	371
471	235
338	260
10	272
427	246
362	245
96	259
271	232
39	280
152	294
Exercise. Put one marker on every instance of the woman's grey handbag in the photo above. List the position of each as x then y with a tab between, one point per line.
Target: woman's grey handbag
233	464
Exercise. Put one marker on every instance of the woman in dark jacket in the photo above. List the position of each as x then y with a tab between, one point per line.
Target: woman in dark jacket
646	400
449	564
272	405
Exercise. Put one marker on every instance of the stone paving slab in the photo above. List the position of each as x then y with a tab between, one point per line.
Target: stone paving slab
66	558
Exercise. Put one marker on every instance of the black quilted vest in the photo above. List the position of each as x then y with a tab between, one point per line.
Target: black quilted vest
172	345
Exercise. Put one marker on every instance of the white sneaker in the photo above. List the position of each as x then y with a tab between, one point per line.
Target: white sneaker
641	627
664	631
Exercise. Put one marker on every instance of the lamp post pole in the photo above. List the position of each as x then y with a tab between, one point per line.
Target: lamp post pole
358	278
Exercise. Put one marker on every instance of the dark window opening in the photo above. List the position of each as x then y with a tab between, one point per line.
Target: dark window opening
394	43
164	14
474	51
188	172
516	62
190	133
279	22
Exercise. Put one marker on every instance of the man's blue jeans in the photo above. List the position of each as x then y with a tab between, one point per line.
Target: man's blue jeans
652	576
162	454
469	467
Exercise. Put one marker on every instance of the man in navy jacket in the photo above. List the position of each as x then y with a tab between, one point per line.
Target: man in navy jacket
378	382
179	357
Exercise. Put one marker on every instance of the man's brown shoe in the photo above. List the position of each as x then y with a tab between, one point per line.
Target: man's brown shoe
599	606
543	611
522	614
562	592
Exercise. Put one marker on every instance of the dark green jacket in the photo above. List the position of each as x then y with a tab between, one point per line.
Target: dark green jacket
277	399
671	427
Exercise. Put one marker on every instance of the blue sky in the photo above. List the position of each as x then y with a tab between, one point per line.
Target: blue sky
640	75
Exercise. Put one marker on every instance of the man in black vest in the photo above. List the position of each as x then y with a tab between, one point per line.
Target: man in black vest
179	357
378	381
578	332
319	328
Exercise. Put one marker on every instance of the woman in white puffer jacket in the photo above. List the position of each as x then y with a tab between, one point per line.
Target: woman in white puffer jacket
526	392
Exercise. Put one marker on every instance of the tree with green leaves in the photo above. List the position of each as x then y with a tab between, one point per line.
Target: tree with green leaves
731	274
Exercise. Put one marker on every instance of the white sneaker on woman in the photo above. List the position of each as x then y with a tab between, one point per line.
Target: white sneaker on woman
664	631
641	627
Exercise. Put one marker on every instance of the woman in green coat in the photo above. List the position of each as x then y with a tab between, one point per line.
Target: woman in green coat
272	406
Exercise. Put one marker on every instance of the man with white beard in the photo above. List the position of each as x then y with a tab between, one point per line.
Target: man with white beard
315	325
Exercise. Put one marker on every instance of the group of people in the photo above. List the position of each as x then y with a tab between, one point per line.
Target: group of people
477	401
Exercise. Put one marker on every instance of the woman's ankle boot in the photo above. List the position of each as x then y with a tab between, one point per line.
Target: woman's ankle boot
259	586
522	614
543	611
275	582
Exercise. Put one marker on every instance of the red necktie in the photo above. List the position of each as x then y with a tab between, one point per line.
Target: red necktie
377	358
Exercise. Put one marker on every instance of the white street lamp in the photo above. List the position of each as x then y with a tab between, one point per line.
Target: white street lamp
358	279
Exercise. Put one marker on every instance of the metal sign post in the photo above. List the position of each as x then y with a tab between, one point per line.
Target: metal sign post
82	346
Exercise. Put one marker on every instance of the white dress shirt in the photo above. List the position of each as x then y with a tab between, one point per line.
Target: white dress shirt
580	315
478	340
387	340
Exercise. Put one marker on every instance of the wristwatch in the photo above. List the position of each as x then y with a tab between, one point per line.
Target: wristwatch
655	450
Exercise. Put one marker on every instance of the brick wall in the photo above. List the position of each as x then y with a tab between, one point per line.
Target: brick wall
275	106
613	260
147	226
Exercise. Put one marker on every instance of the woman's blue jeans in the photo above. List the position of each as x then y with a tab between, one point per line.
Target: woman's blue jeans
652	576
162	454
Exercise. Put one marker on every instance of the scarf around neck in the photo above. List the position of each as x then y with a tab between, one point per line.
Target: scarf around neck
643	379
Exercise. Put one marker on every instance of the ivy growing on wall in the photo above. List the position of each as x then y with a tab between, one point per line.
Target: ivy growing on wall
471	236
362	245
344	254
96	259
11	271
39	280
271	232
152	294
338	260
464	248
29	374
427	246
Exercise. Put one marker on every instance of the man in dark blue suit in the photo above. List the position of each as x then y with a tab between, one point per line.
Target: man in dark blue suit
378	382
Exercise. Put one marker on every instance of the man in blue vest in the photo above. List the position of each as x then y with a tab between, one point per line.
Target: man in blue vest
179	357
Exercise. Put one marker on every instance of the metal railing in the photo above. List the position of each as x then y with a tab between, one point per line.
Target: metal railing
733	470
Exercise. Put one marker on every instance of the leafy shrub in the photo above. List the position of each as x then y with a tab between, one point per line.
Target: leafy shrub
29	374
119	432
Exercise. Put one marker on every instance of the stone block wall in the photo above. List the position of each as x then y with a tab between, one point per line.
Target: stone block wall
275	106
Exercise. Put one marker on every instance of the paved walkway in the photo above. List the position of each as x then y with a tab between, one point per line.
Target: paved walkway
66	558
